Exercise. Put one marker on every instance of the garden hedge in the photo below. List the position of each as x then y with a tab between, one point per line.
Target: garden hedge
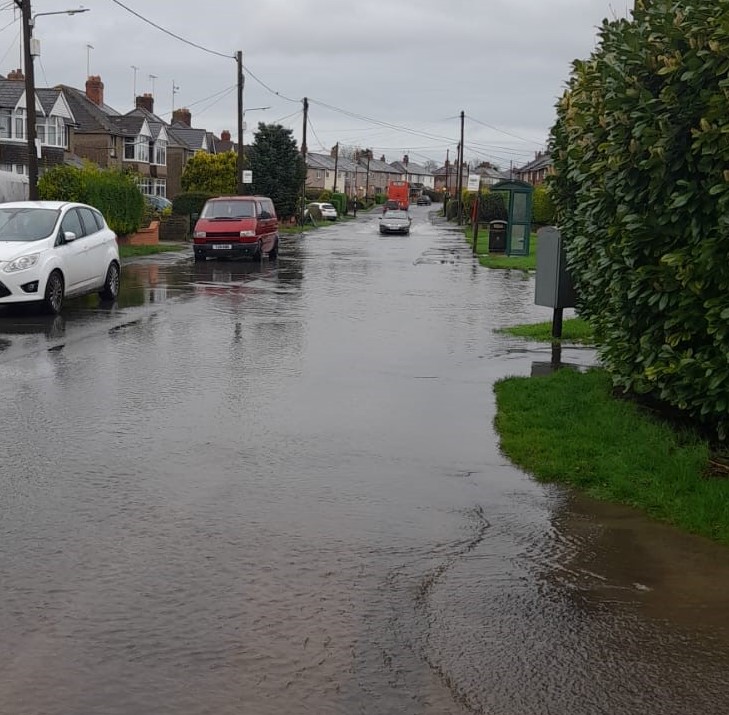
641	191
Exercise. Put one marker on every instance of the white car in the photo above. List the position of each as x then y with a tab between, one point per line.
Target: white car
328	212
50	250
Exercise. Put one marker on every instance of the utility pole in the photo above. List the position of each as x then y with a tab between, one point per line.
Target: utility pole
336	166
460	172
447	170
30	115
303	154
356	164
239	157
367	180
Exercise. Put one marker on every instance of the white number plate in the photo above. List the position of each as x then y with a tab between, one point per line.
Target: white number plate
222	246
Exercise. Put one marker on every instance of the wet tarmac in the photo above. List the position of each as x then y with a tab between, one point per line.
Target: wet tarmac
275	488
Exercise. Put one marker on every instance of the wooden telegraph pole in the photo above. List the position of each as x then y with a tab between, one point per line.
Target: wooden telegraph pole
303	154
459	180
30	114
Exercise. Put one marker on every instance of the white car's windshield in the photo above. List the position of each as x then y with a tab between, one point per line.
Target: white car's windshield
26	224
228	209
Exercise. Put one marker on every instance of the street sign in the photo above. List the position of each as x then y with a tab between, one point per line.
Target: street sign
474	181
247	176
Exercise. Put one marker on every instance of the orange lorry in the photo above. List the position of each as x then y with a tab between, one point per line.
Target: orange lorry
399	191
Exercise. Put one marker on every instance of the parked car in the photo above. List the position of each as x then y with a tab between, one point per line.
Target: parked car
52	250
424	200
328	212
236	226
395	222
159	203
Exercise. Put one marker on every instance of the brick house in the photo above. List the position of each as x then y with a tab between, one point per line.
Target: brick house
536	171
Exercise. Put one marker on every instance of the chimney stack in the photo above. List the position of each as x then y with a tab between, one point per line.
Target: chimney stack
95	90
16	74
225	135
182	116
406	159
146	101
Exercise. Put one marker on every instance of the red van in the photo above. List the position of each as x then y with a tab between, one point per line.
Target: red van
235	226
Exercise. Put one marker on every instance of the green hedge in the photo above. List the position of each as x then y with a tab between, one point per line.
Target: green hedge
641	192
114	193
190	202
339	201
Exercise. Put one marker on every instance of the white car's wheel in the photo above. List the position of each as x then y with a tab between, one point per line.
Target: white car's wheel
53	296
111	285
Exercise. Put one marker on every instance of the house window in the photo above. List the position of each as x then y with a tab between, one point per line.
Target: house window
145	186
318	174
40	132
6	124
136	148
52	133
19	124
160	152
160	187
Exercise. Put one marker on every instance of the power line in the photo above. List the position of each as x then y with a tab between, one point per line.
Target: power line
227	90
502	131
10	47
172	34
313	131
215	101
266	87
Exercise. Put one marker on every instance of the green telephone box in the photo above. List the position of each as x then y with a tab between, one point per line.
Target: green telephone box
518	200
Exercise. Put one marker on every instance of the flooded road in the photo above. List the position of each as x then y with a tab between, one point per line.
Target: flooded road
276	488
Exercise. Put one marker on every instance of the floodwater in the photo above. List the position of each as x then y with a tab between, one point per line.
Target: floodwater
276	488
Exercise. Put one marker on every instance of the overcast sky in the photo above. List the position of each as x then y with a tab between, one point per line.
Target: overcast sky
410	64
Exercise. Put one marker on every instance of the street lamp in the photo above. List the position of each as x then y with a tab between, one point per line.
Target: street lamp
28	20
252	109
58	12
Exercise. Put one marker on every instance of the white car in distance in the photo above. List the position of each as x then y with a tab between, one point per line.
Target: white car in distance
52	250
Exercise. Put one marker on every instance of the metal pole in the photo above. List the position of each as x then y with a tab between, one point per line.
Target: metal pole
239	157
557	322
30	115
474	217
460	173
336	166
367	180
303	154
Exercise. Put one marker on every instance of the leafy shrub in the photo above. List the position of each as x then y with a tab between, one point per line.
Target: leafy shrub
642	198
114	193
492	207
452	209
380	198
214	174
542	206
190	202
314	212
339	201
325	195
312	193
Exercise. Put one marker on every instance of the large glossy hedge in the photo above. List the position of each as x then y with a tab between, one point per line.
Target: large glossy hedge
114	193
641	155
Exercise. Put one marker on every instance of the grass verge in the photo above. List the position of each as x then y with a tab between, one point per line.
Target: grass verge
136	251
574	330
569	428
499	260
